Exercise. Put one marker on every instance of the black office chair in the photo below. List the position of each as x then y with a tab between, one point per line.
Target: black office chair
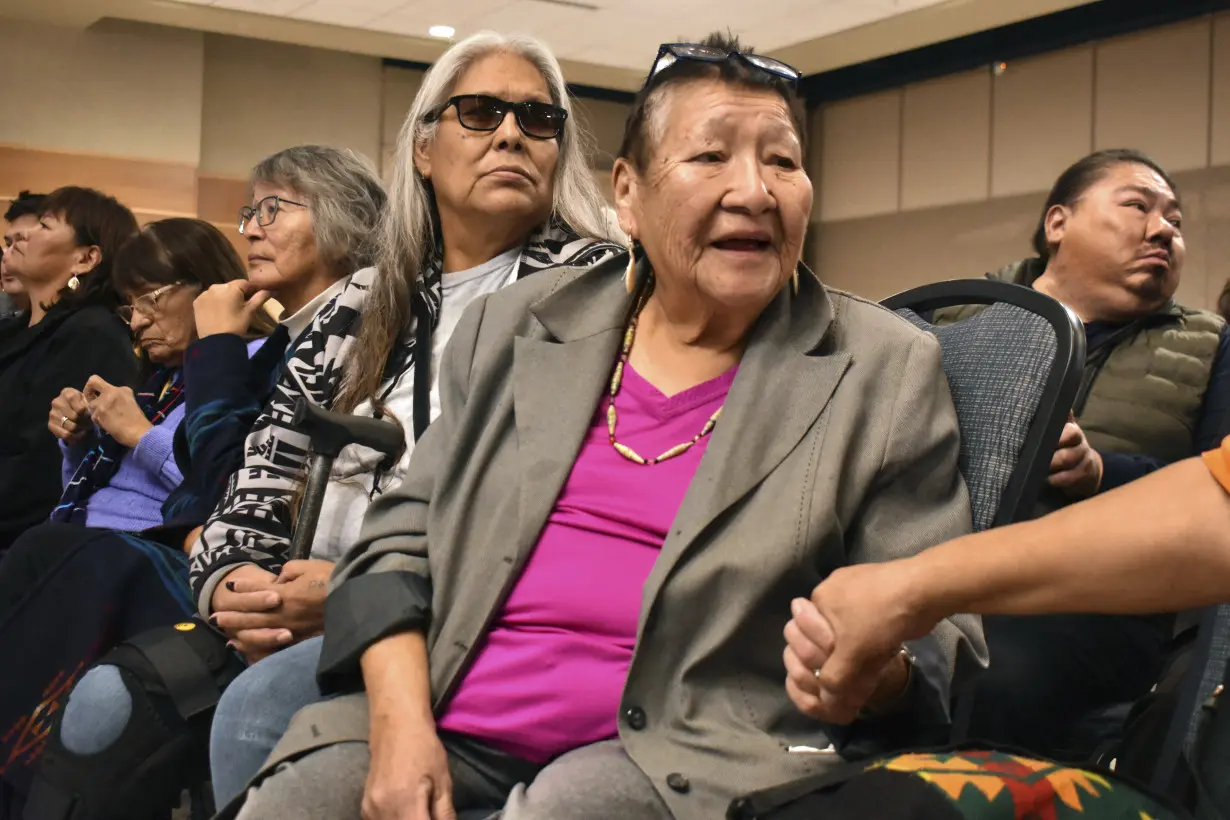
1013	368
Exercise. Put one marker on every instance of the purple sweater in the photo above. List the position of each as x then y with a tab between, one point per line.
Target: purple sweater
146	476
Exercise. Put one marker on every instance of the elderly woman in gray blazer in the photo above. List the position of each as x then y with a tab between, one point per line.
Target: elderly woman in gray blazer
573	607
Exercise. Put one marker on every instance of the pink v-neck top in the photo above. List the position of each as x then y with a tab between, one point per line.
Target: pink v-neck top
551	673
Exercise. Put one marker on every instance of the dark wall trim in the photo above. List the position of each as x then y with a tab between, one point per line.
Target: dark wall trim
593	92
413	65
1051	32
585	92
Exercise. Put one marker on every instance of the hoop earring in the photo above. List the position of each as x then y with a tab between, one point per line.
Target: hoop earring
630	273
74	282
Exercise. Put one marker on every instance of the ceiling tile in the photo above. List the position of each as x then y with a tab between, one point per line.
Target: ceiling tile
531	17
355	13
276	8
619	33
418	16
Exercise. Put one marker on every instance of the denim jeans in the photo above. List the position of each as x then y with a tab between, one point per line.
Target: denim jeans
97	712
254	713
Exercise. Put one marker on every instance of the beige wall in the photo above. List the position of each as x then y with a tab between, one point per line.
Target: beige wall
260	97
399	87
120	89
172	120
947	178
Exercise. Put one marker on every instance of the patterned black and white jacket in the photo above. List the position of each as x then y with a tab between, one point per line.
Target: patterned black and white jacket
253	522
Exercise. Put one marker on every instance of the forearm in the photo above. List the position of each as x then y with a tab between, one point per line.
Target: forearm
397	682
1158	544
155	453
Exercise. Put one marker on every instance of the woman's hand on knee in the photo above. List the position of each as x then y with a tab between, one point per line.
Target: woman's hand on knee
409	777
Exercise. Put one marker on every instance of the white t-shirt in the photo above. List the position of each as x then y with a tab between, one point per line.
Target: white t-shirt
350	488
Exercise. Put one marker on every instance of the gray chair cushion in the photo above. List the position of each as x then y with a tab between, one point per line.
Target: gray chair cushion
997	363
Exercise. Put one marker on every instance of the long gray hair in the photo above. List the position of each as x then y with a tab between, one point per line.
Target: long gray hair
407	230
345	197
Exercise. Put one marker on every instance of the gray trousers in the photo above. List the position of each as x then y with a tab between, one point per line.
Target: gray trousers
594	782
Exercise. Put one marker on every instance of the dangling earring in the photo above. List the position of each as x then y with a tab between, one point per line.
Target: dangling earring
74	282
630	273
794	281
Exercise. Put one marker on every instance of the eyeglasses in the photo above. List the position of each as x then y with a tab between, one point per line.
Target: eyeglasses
671	53
478	112
265	211
146	305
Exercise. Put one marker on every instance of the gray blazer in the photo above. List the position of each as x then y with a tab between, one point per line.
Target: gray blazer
838	444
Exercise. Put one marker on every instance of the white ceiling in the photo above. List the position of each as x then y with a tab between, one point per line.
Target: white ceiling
611	33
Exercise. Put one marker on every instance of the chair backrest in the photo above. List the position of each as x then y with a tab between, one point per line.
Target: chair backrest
1013	369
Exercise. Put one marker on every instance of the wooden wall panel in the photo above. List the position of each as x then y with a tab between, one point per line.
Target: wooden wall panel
153	187
219	198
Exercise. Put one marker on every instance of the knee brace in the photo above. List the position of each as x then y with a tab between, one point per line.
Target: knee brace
174	676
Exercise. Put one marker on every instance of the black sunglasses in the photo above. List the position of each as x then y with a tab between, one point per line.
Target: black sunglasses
671	53
479	112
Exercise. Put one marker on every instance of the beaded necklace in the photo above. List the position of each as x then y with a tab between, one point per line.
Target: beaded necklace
612	416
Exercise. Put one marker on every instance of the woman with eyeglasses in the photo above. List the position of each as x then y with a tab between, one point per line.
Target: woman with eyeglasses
573	605
119	464
307	225
70	333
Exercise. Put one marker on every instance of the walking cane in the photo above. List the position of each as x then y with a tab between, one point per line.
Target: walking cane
329	433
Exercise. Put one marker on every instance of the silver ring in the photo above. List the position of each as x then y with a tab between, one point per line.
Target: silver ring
816	672
64	422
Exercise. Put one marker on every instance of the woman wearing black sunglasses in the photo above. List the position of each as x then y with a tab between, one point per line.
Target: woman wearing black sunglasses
490	184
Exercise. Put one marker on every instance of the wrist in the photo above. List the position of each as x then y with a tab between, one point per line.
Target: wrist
921	595
133	435
894	681
217	330
397	714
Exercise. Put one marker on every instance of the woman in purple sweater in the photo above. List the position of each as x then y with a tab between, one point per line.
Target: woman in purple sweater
118	444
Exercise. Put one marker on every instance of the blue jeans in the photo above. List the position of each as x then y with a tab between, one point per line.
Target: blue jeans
98	710
254	713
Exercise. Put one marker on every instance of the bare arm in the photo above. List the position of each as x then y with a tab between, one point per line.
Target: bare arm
1158	544
398	687
409	777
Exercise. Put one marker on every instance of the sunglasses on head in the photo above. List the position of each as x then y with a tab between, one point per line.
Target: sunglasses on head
671	53
479	112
